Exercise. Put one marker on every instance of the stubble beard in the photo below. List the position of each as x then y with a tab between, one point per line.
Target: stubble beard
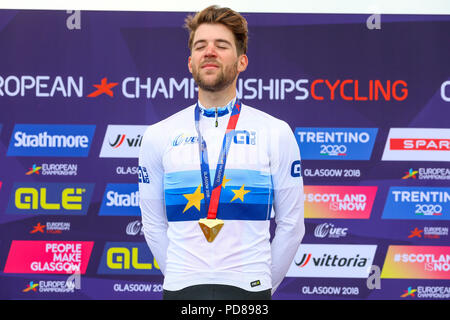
224	79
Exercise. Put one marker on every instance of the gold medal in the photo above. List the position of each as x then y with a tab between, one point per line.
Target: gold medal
210	228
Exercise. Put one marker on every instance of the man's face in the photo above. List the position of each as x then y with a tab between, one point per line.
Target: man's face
214	62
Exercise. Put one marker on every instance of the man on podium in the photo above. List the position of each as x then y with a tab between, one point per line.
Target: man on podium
212	174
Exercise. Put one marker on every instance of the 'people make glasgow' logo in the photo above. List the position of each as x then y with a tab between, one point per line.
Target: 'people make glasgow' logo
48	257
336	143
51	140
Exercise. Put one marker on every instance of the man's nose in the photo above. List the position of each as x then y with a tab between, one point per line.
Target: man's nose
210	50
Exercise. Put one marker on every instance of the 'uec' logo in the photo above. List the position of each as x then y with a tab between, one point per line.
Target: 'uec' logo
32	198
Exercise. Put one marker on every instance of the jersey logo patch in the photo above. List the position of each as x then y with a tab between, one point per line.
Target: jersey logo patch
296	169
143	175
255	283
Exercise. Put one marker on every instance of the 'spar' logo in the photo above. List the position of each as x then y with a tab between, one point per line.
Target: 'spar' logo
417	144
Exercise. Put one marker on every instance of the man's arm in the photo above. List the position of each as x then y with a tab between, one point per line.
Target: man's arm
288	202
151	197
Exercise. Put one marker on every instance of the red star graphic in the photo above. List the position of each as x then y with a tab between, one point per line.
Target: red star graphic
103	87
38	228
416	233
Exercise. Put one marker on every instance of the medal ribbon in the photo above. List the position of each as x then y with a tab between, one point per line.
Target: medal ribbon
212	197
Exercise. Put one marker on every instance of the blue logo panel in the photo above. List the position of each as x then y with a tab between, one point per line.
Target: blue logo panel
50	198
120	199
128	258
336	143
417	203
51	140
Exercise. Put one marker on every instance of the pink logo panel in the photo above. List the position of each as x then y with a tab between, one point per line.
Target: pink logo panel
339	202
417	262
48	257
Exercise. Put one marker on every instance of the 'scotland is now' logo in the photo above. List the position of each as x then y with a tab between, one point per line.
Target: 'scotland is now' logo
417	262
339	202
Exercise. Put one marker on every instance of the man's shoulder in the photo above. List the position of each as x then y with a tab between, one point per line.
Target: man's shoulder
174	121
262	117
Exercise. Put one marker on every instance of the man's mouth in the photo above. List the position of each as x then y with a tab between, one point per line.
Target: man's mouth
210	66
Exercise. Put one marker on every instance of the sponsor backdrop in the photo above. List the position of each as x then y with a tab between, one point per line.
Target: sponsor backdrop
367	97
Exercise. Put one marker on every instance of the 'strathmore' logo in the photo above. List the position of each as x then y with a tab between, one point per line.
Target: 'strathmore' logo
48	140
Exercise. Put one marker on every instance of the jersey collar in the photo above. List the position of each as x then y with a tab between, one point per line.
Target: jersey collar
221	111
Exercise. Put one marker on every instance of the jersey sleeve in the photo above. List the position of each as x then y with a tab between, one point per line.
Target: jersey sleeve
151	195
288	201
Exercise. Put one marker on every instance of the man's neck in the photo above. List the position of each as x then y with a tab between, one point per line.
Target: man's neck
216	99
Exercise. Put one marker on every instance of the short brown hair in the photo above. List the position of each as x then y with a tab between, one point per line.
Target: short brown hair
214	14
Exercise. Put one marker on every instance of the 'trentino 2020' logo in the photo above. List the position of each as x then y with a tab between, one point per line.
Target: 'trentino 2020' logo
336	143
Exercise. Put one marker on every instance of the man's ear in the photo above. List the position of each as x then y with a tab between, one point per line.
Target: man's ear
189	64
242	63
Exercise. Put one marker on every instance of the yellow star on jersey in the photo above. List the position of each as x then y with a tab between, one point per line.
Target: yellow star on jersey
194	199
239	193
225	180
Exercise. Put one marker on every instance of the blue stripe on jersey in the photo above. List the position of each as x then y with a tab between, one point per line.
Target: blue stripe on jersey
237	177
254	196
231	211
247	195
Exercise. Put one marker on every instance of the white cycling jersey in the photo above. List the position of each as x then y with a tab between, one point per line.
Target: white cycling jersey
262	175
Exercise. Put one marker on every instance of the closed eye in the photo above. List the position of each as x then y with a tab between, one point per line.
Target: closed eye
219	43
